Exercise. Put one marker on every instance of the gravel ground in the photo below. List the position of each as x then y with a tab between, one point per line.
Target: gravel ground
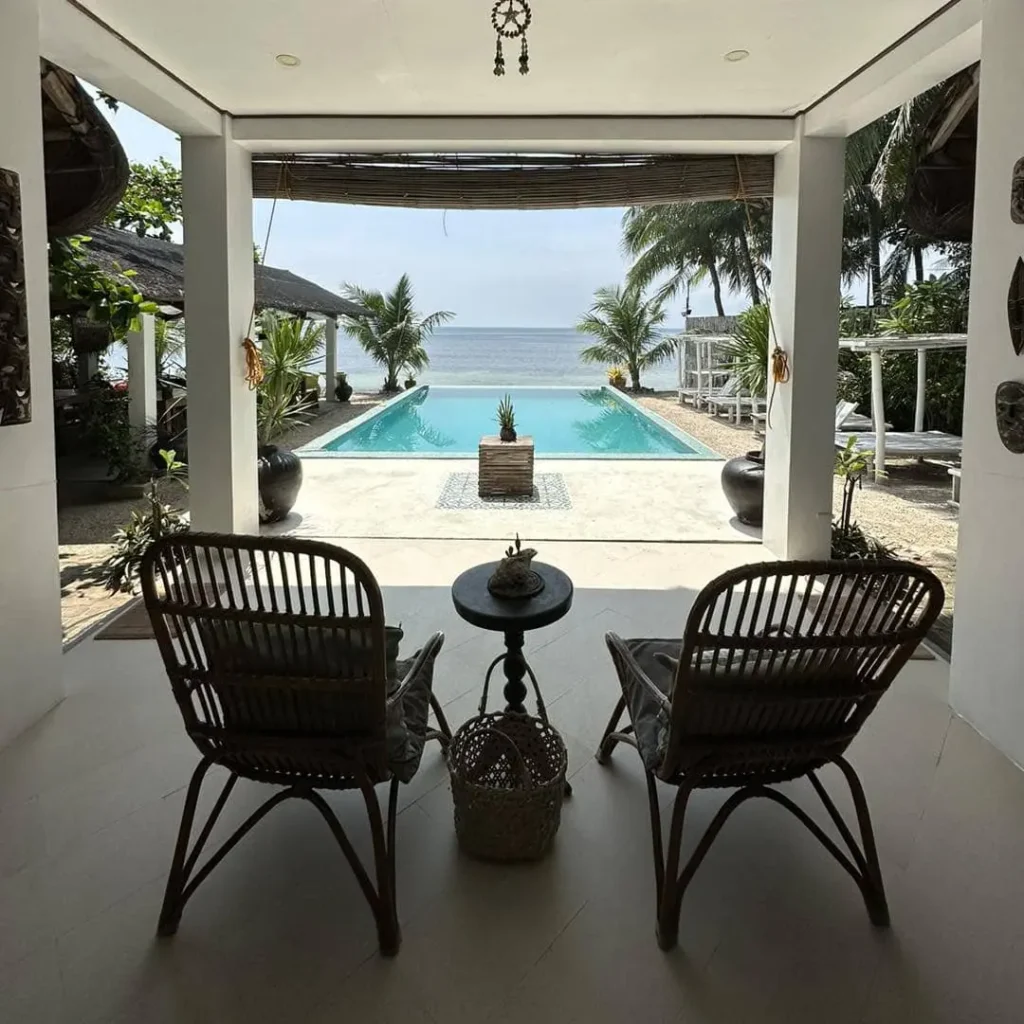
85	530
909	511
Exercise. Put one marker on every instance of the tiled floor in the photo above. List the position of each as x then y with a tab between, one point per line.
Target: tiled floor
622	500
772	930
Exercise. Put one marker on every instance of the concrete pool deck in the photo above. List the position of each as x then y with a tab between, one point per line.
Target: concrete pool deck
624	500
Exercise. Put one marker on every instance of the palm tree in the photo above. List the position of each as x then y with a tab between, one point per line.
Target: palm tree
391	332
692	241
671	240
626	326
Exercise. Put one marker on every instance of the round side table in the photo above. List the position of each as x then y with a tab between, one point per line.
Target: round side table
513	617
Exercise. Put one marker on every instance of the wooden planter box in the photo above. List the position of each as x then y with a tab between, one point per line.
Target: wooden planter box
506	467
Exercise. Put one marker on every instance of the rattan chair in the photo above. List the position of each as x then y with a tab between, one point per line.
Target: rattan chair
779	667
276	653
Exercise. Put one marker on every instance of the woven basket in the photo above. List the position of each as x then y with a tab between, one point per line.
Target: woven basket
508	782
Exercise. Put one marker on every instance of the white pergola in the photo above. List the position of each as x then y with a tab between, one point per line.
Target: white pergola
641	76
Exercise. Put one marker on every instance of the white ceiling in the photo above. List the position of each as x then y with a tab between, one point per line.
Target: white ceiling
385	57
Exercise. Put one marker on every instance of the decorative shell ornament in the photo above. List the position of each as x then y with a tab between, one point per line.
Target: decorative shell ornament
513	577
511	19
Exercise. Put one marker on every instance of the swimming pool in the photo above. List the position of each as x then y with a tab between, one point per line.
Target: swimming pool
568	423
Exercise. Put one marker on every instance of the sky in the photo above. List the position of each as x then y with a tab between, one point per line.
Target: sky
500	268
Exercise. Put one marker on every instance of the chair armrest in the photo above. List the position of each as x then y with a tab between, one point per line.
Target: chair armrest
629	669
427	652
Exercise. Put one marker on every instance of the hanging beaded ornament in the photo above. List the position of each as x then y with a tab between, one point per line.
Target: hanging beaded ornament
511	19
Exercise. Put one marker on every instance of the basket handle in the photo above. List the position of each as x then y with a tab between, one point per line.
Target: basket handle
542	711
524	772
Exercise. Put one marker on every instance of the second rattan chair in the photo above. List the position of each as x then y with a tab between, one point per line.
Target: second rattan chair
279	661
779	667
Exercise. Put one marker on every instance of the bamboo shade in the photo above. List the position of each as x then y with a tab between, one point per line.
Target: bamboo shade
496	182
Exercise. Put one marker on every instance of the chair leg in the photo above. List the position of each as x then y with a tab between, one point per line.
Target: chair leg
443	732
386	911
611	737
874	888
170	912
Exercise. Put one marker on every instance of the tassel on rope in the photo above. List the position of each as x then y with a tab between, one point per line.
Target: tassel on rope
253	364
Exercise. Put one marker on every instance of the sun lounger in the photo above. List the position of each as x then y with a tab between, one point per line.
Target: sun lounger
927	444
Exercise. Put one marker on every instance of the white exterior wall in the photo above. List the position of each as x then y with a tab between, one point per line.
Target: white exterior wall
217	194
30	633
331	354
806	261
987	680
142	373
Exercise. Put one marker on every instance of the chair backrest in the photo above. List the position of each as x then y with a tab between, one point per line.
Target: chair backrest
275	649
783	661
843	410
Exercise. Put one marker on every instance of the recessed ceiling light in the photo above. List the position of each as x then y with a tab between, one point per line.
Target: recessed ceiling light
288	60
735	56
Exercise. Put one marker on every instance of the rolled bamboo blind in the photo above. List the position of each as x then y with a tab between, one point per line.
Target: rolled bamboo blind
502	182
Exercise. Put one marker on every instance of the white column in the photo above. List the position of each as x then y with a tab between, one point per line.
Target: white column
878	413
988	643
30	633
922	387
142	373
217	193
331	348
799	440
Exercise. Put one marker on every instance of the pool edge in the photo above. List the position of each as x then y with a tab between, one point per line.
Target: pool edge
316	448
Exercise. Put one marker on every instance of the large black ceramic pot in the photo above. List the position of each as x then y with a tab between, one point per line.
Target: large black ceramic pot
743	483
280	477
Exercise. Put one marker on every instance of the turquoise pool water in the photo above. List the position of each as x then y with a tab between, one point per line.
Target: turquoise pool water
448	422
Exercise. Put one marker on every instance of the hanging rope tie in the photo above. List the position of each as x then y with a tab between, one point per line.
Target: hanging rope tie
780	371
254	372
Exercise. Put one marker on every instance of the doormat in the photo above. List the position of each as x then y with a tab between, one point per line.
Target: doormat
132	624
549	492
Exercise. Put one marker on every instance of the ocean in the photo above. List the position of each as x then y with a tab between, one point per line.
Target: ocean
482	355
496	355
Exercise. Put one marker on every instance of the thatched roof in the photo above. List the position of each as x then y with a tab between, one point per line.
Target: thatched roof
160	276
940	188
86	170
489	181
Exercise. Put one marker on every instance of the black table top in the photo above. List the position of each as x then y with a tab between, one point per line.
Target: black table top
476	604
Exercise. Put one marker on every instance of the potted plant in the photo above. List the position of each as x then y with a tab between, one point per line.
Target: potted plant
848	539
288	348
279	468
505	462
410	382
342	388
507	420
743	476
617	378
131	541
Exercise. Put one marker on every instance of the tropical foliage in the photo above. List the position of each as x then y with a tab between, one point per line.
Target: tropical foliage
146	525
391	331
728	244
626	326
111	299
848	539
683	244
288	347
749	347
151	204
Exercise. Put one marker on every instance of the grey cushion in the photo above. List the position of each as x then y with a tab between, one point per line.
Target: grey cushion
272	650
407	719
650	716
